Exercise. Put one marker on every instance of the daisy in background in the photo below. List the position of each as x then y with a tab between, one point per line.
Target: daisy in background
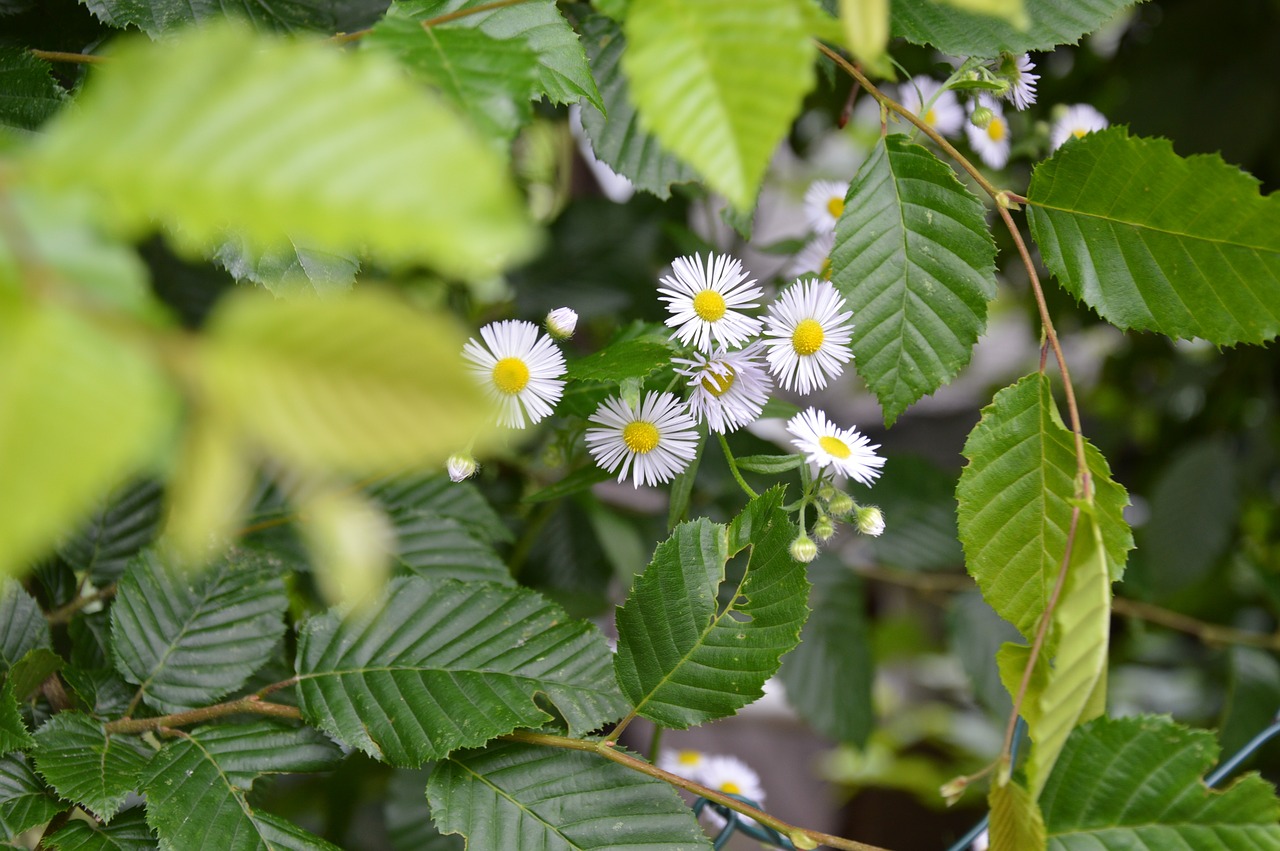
814	258
520	368
1075	122
704	302
988	132
1022	83
807	334
653	442
824	204
943	112
843	451
728	390
732	776
685	763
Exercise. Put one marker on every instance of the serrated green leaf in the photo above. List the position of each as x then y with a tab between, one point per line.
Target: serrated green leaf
22	625
513	795
617	139
916	263
1137	783
967	33
1156	242
486	78
122	524
13	730
197	786
1012	12
156	17
79	410
359	384
460	501
769	465
699	85
409	825
24	801
277	126
188	638
127	832
388	678
29	672
292	271
682	486
561	72
28	92
430	545
636	358
681	659
103	692
1016	823
828	677
1013	510
83	763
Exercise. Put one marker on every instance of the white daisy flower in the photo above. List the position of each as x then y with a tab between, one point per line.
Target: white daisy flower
520	368
704	301
653	443
824	203
1022	83
732	776
807	333
684	763
562	322
728	390
814	258
945	113
844	451
1078	120
992	140
461	466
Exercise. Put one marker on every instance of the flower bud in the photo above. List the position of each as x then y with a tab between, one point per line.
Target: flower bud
562	322
953	790
841	504
981	117
461	466
870	520
803	549
823	528
826	492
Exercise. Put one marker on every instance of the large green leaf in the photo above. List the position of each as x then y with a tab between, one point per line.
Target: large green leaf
916	263
513	795
460	501
187	639
297	142
85	764
22	625
486	78
127	832
389	679
28	93
122	524
1155	242
615	132
155	17
79	410
430	545
24	801
828	677
633	358
1014	507
197	786
968	33
561	72
1136	783
361	384
683	659
719	82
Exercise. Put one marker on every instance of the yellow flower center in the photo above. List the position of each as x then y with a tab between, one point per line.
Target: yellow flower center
510	375
689	757
835	207
730	788
709	305
808	337
640	437
931	117
997	130
834	446
718	385
1078	132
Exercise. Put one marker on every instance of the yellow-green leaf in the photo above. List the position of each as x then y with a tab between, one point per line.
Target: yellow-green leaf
866	30
1011	12
1016	823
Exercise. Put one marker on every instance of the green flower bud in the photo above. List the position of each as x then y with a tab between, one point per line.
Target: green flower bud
870	521
841	504
823	528
981	117
803	549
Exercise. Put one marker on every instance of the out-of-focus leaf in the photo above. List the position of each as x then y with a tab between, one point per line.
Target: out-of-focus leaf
1016	823
918	499
293	271
1253	697
123	523
579	480
974	635
866	33
156	17
83	763
968	32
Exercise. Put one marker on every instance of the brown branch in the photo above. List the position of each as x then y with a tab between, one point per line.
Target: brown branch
607	750
61	56
251	705
1210	633
64	613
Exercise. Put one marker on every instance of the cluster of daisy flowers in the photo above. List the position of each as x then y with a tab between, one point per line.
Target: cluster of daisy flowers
726	774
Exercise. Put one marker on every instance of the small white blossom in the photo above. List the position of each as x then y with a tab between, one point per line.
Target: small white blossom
705	300
562	322
845	451
461	466
824	204
870	521
728	390
731	776
682	763
653	441
1075	122
1022	83
807	334
520	368
814	258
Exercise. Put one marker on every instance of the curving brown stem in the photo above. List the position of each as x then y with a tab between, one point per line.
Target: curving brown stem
251	705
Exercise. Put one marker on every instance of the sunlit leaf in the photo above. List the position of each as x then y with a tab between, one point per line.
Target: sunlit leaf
289	271
866	32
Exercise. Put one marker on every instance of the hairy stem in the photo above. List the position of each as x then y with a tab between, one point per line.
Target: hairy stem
252	705
733	467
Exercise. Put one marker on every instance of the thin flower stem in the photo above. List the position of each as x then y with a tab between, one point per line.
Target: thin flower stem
609	751
733	467
655	743
61	56
64	614
252	705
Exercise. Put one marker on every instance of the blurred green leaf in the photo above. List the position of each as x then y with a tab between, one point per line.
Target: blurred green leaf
24	801
681	659
1016	823
1157	242
83	763
487	646
579	480
769	465
699	85
298	144
127	832
974	634
513	795
866	33
157	17
1253	697
28	92
682	486
915	262
188	638
567	563
968	32
288	272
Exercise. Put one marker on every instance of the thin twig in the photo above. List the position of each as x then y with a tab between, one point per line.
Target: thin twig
61	56
251	705
64	614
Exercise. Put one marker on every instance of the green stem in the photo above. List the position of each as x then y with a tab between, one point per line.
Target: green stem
252	705
733	467
63	614
608	750
655	743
